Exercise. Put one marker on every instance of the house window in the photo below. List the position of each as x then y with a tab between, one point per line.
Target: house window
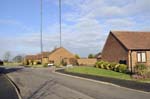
123	62
141	57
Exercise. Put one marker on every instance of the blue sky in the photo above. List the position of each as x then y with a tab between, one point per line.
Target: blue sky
85	23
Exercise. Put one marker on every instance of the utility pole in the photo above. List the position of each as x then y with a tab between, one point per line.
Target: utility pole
41	30
60	22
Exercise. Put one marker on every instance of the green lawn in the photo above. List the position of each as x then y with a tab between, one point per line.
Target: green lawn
104	73
12	64
98	72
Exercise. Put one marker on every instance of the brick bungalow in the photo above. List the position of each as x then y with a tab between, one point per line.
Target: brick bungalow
45	56
30	59
61	54
56	56
127	47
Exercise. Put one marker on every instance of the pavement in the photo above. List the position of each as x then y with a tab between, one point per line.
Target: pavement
7	90
42	83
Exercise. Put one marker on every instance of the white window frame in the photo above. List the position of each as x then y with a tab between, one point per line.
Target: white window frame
138	57
141	57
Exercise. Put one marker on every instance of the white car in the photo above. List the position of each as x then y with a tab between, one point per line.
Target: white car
50	64
69	66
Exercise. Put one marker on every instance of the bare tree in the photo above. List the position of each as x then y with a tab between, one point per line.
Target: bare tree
18	58
6	56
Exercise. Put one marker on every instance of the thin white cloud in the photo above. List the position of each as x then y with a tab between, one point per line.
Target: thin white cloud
85	25
121	22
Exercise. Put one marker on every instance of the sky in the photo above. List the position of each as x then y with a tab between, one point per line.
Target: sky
85	24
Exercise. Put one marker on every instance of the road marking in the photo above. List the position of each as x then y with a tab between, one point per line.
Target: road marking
101	82
11	82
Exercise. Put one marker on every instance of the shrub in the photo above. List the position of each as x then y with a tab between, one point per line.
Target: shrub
112	66
140	69
116	68
122	68
140	66
96	65
99	64
106	65
45	65
147	74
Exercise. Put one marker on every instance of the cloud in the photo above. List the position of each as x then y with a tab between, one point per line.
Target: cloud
85	25
121	22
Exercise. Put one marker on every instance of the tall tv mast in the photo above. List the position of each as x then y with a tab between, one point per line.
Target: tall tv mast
60	23
41	29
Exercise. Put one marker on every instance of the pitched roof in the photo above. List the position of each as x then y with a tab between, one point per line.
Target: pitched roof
60	48
30	57
45	54
38	56
133	40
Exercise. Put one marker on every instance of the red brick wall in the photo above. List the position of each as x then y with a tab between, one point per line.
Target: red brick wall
86	61
113	51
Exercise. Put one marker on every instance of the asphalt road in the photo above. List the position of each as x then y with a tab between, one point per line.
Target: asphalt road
7	90
44	84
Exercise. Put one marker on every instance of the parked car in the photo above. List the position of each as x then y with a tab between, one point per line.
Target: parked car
1	62
49	65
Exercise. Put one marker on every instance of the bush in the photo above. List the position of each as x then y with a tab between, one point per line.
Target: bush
111	66
140	66
147	74
116	68
45	65
99	64
106	65
122	68
140	69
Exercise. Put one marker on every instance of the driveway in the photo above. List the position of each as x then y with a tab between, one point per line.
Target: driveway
42	83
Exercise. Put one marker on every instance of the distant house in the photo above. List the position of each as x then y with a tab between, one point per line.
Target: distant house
61	54
56	56
45	56
30	59
127	47
98	56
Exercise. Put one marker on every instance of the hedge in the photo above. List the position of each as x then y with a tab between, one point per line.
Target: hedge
111	66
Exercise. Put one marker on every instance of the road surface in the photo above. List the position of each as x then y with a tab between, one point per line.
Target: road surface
42	83
7	90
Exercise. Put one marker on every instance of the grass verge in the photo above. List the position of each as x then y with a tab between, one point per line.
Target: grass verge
104	73
99	72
